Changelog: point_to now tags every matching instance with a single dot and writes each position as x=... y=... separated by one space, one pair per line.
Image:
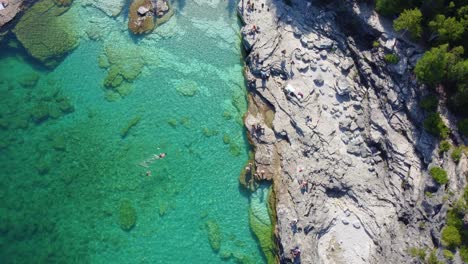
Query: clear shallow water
x=64 y=179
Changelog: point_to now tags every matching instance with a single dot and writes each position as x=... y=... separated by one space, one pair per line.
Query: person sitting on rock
x=293 y=225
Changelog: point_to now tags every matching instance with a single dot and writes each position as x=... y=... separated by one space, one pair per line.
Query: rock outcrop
x=345 y=146
x=145 y=15
x=46 y=32
x=8 y=10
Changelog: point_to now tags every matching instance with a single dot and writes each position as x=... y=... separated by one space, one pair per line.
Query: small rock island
x=145 y=15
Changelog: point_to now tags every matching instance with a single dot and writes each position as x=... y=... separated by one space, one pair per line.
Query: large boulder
x=46 y=33
x=138 y=23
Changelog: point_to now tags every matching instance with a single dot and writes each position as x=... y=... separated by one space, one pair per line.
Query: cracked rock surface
x=345 y=148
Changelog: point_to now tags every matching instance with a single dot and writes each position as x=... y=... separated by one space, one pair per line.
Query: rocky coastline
x=338 y=131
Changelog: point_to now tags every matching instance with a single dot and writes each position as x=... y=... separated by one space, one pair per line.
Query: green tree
x=463 y=127
x=447 y=29
x=429 y=103
x=409 y=19
x=433 y=67
x=444 y=146
x=388 y=7
x=464 y=253
x=439 y=175
x=451 y=237
x=436 y=126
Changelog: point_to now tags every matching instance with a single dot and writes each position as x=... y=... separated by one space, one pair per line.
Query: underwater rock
x=226 y=139
x=187 y=88
x=140 y=24
x=103 y=62
x=127 y=215
x=42 y=166
x=46 y=33
x=214 y=234
x=172 y=122
x=59 y=143
x=114 y=78
x=29 y=80
x=65 y=105
x=112 y=96
x=40 y=113
x=63 y=2
x=125 y=89
x=133 y=122
x=111 y=8
x=54 y=111
x=124 y=65
x=234 y=149
x=209 y=132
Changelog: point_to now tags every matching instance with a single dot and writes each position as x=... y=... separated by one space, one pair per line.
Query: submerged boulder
x=127 y=215
x=46 y=33
x=111 y=8
x=214 y=235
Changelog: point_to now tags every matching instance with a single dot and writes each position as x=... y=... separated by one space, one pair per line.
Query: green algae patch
x=234 y=149
x=133 y=122
x=46 y=32
x=209 y=132
x=260 y=223
x=214 y=234
x=127 y=215
x=140 y=24
x=226 y=139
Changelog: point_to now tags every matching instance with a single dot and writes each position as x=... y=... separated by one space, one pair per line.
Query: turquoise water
x=66 y=173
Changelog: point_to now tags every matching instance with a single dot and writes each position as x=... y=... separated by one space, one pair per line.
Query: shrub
x=456 y=154
x=434 y=125
x=375 y=44
x=429 y=103
x=439 y=175
x=418 y=252
x=451 y=237
x=433 y=258
x=429 y=194
x=465 y=194
x=391 y=58
x=463 y=127
x=464 y=253
x=454 y=219
x=444 y=146
x=448 y=254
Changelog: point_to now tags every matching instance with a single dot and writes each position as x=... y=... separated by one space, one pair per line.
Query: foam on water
x=64 y=179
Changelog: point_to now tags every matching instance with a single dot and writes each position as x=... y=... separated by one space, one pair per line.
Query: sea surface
x=81 y=180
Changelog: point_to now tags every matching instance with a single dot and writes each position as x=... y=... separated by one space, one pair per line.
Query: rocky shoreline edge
x=337 y=129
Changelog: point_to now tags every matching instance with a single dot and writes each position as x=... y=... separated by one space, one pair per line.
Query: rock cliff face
x=340 y=134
